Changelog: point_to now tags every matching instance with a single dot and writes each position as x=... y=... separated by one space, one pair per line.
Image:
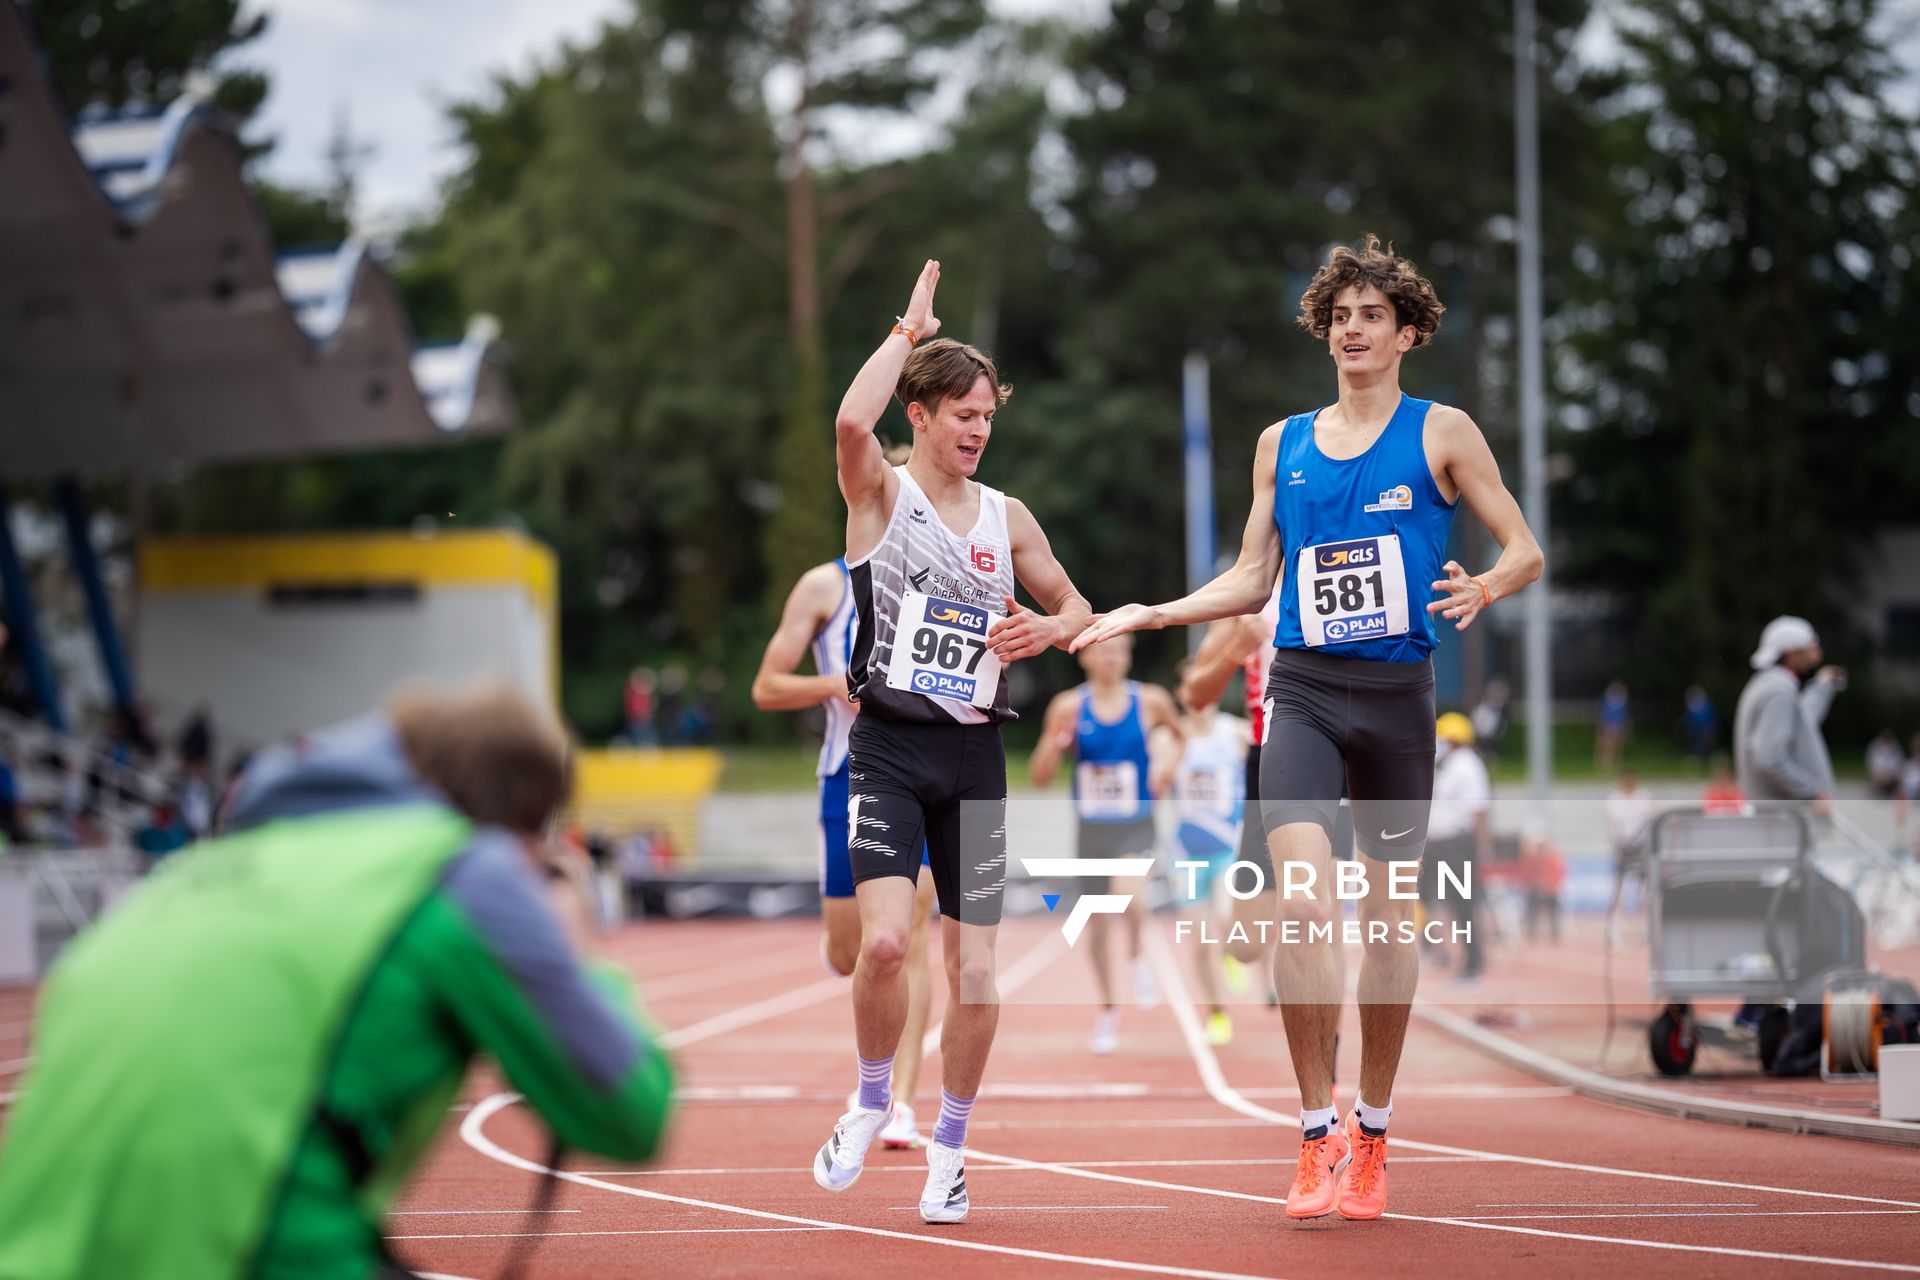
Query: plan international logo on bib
x=1368 y=626
x=939 y=684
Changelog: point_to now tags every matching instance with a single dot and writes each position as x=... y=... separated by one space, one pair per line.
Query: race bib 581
x=1352 y=590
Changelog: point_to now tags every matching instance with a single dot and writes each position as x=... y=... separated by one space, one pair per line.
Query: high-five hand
x=919 y=315
x=1022 y=633
x=1105 y=626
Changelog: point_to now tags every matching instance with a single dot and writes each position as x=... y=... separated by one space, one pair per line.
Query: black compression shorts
x=944 y=783
x=1351 y=723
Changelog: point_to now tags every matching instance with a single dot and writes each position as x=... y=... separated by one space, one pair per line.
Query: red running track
x=1167 y=1158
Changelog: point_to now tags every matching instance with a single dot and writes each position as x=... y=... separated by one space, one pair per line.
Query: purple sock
x=876 y=1079
x=951 y=1129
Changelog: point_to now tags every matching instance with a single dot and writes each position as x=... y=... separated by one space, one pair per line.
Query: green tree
x=119 y=54
x=1738 y=363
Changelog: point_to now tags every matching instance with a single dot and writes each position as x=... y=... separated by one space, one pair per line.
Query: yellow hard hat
x=1455 y=728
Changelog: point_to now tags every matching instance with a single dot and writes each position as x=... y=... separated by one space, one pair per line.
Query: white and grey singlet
x=927 y=597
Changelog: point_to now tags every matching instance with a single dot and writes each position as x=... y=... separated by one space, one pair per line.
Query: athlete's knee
x=972 y=979
x=842 y=953
x=884 y=948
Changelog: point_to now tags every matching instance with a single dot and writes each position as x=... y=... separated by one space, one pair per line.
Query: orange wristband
x=1486 y=592
x=907 y=333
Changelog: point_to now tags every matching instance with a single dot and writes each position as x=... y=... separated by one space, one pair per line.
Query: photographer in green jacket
x=236 y=1069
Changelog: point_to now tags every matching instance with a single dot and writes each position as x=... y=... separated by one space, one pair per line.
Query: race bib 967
x=940 y=650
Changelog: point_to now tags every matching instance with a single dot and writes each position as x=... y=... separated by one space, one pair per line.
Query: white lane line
x=1626 y=1204
x=1229 y=1097
x=1802 y=1259
x=1173 y=984
x=473 y=1133
x=429 y=1213
x=1579 y=1217
x=1495 y=1092
x=651 y=1231
x=919 y=1170
x=759 y=1011
x=687 y=982
x=1036 y=1208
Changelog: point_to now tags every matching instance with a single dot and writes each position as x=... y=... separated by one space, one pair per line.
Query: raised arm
x=1463 y=453
x=1025 y=633
x=777 y=686
x=864 y=473
x=1242 y=589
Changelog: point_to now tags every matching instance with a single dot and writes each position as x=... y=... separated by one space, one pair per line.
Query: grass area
x=1654 y=757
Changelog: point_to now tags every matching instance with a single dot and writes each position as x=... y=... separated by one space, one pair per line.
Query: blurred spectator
x=1778 y=752
x=391 y=911
x=194 y=794
x=1909 y=790
x=1543 y=869
x=1459 y=831
x=1491 y=717
x=1611 y=726
x=196 y=739
x=640 y=707
x=1629 y=812
x=1723 y=795
x=703 y=720
x=1701 y=722
x=672 y=710
x=163 y=834
x=1885 y=761
x=11 y=831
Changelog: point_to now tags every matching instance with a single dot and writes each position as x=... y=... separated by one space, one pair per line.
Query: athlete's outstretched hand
x=1022 y=633
x=1105 y=626
x=919 y=313
x=1464 y=598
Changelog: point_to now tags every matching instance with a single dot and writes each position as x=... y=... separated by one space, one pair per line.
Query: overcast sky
x=392 y=65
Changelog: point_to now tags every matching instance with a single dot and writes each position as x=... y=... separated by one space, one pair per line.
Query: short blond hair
x=500 y=759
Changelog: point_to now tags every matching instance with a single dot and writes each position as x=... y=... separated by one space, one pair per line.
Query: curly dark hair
x=1412 y=296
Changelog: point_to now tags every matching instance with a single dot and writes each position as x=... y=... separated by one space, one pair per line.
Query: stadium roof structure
x=147 y=321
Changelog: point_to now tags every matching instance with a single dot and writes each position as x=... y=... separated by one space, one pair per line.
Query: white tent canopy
x=146 y=320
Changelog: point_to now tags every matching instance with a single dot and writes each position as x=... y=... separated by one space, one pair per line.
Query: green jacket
x=235 y=1070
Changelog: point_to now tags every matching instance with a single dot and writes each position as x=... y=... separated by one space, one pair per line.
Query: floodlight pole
x=1533 y=408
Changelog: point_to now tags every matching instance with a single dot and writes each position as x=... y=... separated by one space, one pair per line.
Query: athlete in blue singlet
x=1351 y=511
x=1125 y=741
x=819 y=618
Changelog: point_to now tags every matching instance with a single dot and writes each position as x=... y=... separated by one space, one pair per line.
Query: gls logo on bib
x=954 y=614
x=1348 y=555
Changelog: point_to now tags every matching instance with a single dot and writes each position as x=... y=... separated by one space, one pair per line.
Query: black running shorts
x=944 y=783
x=1253 y=833
x=1349 y=722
